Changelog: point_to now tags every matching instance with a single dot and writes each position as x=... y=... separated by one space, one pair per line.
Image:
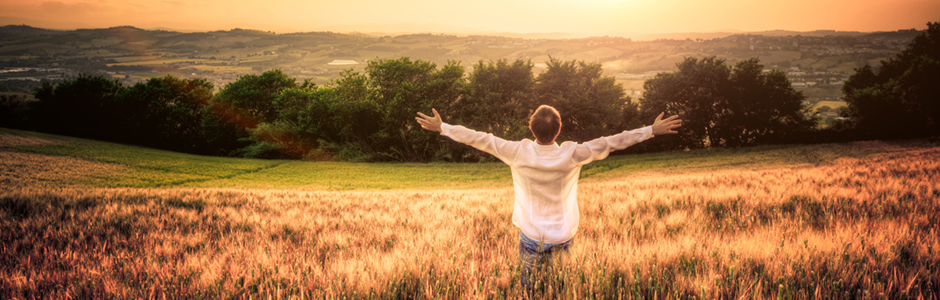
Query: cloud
x=56 y=7
x=53 y=6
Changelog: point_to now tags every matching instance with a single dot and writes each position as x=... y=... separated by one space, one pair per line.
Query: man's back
x=545 y=177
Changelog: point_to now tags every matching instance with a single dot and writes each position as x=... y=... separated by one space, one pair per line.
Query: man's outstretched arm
x=502 y=149
x=599 y=148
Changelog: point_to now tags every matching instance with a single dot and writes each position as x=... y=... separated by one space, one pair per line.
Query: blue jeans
x=533 y=255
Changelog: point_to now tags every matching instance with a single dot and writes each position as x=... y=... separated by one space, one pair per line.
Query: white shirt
x=545 y=177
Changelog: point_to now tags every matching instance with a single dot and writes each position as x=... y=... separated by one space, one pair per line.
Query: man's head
x=545 y=124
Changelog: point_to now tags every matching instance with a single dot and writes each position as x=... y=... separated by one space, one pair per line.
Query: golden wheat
x=857 y=227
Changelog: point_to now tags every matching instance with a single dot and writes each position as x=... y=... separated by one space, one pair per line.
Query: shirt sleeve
x=598 y=149
x=505 y=150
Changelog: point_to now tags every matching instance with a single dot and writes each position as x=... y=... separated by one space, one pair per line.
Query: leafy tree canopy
x=590 y=105
x=726 y=106
x=901 y=99
x=167 y=112
x=78 y=107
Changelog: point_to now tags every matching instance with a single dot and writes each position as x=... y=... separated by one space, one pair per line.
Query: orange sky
x=596 y=17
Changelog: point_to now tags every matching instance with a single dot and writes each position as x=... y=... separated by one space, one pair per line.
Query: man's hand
x=661 y=126
x=429 y=123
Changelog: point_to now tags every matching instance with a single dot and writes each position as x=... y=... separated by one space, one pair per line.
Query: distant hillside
x=132 y=54
x=14 y=32
x=778 y=33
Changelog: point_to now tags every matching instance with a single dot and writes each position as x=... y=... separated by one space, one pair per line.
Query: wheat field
x=860 y=226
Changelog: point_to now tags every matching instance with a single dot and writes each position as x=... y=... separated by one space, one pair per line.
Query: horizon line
x=638 y=36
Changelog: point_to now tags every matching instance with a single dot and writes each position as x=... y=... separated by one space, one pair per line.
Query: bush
x=13 y=111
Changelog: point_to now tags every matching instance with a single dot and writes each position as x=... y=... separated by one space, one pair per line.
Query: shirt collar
x=551 y=146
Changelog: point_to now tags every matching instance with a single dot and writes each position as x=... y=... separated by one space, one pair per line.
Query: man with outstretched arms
x=545 y=176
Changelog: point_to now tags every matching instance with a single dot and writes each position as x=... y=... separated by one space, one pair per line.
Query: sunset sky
x=596 y=17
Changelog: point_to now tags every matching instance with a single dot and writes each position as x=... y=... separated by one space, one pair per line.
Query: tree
x=353 y=120
x=764 y=108
x=499 y=100
x=241 y=106
x=289 y=135
x=13 y=111
x=403 y=87
x=724 y=106
x=695 y=93
x=81 y=107
x=253 y=96
x=165 y=112
x=901 y=99
x=338 y=120
x=590 y=105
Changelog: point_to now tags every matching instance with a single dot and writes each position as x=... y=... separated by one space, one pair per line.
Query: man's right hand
x=429 y=123
x=661 y=126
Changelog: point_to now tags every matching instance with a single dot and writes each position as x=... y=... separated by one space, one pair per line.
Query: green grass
x=145 y=167
x=753 y=158
x=141 y=167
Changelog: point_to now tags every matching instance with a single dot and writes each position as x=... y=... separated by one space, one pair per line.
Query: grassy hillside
x=132 y=166
x=86 y=219
x=125 y=166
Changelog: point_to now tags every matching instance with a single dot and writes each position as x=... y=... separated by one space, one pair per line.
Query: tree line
x=901 y=97
x=370 y=116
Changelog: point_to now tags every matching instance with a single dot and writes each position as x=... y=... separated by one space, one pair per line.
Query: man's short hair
x=545 y=123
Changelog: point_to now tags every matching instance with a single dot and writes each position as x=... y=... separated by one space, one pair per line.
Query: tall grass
x=800 y=224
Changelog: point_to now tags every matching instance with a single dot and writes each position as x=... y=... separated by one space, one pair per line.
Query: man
x=545 y=176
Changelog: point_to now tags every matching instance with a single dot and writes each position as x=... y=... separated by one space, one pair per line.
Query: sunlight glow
x=592 y=17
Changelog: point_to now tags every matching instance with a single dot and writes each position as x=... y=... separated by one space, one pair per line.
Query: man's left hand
x=429 y=123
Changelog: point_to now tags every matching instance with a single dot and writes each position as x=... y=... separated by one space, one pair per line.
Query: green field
x=138 y=167
x=146 y=168
x=830 y=104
